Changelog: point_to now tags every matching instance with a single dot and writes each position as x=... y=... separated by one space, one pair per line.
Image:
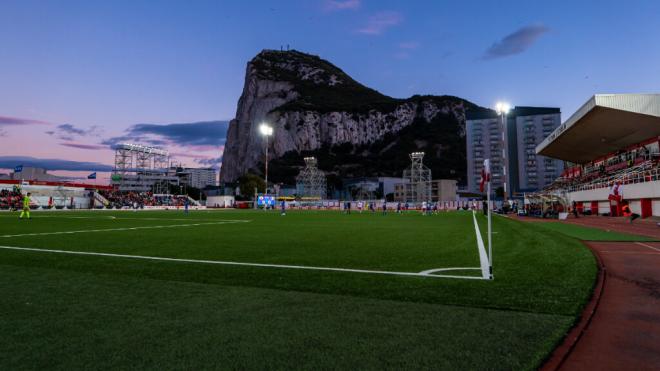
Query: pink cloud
x=7 y=120
x=380 y=22
x=189 y=155
x=335 y=5
x=205 y=148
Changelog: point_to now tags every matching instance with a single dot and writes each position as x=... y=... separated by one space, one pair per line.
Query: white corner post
x=490 y=234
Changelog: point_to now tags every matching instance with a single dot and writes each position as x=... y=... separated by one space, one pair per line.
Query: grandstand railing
x=648 y=171
x=100 y=199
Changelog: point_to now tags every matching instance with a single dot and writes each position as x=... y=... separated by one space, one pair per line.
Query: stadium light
x=266 y=130
x=502 y=108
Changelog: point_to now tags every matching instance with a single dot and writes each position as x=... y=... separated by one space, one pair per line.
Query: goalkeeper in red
x=26 y=206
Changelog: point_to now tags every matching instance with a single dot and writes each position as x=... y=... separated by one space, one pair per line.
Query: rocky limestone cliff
x=317 y=109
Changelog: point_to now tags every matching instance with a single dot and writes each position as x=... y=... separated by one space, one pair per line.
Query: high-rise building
x=198 y=177
x=509 y=141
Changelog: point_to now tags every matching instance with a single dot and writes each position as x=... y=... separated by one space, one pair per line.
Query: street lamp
x=503 y=109
x=266 y=131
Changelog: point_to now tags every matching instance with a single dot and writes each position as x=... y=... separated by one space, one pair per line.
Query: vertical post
x=504 y=158
x=266 y=190
x=490 y=235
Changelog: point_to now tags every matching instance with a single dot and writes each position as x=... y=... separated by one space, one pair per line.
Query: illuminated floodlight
x=265 y=130
x=502 y=108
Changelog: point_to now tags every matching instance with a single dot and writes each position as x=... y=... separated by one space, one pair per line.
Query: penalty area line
x=244 y=264
x=112 y=217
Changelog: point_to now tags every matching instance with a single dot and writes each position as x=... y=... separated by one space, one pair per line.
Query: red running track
x=620 y=329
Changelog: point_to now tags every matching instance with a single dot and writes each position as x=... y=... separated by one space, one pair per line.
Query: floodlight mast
x=311 y=181
x=503 y=109
x=418 y=188
x=266 y=131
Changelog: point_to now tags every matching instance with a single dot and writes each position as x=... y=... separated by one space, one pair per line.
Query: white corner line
x=483 y=257
x=430 y=271
x=649 y=246
x=220 y=262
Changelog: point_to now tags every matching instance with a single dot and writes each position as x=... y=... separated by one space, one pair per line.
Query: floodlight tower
x=266 y=131
x=311 y=181
x=503 y=109
x=418 y=188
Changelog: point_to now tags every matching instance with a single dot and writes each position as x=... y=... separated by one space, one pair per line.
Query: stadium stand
x=10 y=199
x=612 y=148
x=65 y=195
x=118 y=199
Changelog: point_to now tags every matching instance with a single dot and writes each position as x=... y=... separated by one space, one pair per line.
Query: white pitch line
x=64 y=217
x=110 y=217
x=118 y=229
x=649 y=246
x=430 y=271
x=483 y=257
x=220 y=262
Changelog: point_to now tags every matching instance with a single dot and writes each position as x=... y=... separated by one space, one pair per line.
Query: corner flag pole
x=490 y=235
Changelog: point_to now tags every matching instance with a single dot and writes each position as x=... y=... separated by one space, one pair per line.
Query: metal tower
x=141 y=168
x=311 y=182
x=418 y=188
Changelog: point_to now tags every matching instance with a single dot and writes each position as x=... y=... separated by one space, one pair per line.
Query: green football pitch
x=311 y=290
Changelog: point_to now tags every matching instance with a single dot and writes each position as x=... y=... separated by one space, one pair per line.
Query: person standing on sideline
x=283 y=208
x=348 y=207
x=26 y=206
x=575 y=210
x=384 y=208
x=398 y=208
x=627 y=212
x=424 y=208
x=186 y=205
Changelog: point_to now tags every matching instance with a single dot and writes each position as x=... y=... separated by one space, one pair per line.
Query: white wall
x=656 y=207
x=630 y=192
x=221 y=201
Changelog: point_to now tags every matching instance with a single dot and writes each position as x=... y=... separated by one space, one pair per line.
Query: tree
x=248 y=182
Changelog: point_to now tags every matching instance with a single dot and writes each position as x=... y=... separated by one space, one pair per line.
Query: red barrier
x=647 y=207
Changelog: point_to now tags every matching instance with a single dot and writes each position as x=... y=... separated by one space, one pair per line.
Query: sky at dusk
x=79 y=76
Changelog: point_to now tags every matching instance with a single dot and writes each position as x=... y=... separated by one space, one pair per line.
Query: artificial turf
x=592 y=234
x=70 y=311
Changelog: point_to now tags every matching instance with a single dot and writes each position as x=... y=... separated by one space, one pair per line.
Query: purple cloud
x=380 y=22
x=67 y=131
x=336 y=5
x=211 y=162
x=194 y=134
x=9 y=162
x=83 y=146
x=7 y=120
x=516 y=42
